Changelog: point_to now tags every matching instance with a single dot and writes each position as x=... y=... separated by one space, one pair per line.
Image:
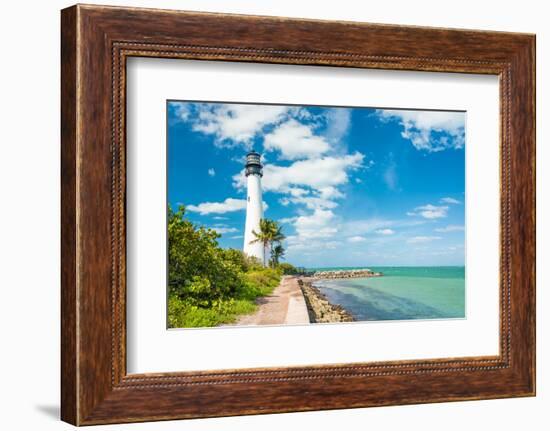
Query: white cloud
x=311 y=202
x=356 y=238
x=314 y=173
x=237 y=237
x=234 y=123
x=319 y=224
x=297 y=191
x=385 y=231
x=330 y=193
x=211 y=172
x=429 y=130
x=430 y=211
x=226 y=206
x=295 y=141
x=450 y=228
x=322 y=198
x=229 y=205
x=450 y=201
x=422 y=239
x=181 y=110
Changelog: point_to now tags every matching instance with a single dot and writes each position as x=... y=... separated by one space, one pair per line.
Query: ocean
x=402 y=293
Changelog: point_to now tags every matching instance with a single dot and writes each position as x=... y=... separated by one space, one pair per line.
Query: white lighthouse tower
x=254 y=206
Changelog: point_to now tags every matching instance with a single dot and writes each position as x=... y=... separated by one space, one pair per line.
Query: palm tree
x=264 y=235
x=270 y=233
x=277 y=253
x=277 y=231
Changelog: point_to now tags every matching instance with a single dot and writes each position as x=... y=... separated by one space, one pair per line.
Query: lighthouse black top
x=253 y=164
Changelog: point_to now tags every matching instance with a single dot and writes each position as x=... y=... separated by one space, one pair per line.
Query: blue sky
x=351 y=186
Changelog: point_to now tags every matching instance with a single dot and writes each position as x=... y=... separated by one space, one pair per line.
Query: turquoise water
x=401 y=293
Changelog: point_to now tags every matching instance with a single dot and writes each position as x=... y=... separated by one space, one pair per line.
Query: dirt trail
x=285 y=306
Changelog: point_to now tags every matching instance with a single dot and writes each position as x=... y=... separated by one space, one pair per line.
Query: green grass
x=256 y=284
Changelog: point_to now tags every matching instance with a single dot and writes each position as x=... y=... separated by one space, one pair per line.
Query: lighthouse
x=254 y=206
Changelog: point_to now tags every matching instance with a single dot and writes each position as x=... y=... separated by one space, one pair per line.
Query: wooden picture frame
x=95 y=43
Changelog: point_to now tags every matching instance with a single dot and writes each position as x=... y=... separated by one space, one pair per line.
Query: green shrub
x=198 y=269
x=241 y=260
x=287 y=268
x=183 y=315
x=209 y=285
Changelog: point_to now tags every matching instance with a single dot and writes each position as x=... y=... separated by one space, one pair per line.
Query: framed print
x=285 y=220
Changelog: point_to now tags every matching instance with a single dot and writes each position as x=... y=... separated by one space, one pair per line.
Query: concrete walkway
x=285 y=306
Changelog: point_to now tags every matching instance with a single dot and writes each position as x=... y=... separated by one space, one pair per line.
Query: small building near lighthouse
x=254 y=206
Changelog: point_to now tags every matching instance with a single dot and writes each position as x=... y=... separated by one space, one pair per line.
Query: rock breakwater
x=319 y=308
x=346 y=273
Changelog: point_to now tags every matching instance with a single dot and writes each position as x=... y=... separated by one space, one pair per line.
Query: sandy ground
x=285 y=306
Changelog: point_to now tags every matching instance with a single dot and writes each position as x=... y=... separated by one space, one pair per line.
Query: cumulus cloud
x=330 y=192
x=450 y=201
x=297 y=191
x=430 y=211
x=315 y=173
x=181 y=110
x=295 y=140
x=319 y=224
x=431 y=131
x=232 y=124
x=312 y=202
x=422 y=239
x=356 y=238
x=229 y=205
x=450 y=228
x=313 y=182
x=315 y=228
x=322 y=198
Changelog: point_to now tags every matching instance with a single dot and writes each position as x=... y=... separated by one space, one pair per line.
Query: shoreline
x=319 y=308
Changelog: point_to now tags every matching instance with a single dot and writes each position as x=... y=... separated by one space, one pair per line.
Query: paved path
x=285 y=306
